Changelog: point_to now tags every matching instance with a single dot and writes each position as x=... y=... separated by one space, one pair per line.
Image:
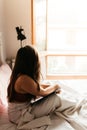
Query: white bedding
x=67 y=117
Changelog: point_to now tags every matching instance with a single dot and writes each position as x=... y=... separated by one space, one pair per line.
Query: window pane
x=40 y=23
x=66 y=65
x=67 y=39
x=67 y=25
x=67 y=12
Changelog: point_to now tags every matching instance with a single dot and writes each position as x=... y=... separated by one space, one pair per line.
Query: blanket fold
x=70 y=115
x=35 y=123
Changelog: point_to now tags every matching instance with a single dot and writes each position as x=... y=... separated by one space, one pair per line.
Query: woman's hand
x=58 y=89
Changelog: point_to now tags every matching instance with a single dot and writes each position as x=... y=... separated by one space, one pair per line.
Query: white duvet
x=72 y=115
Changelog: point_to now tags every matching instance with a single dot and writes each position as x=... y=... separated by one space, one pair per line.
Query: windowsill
x=64 y=53
x=65 y=76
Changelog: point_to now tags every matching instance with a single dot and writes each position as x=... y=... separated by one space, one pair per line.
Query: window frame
x=47 y=53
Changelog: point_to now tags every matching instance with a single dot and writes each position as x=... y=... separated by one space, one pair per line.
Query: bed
x=71 y=116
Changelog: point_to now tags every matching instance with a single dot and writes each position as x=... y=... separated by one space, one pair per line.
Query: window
x=61 y=31
x=39 y=23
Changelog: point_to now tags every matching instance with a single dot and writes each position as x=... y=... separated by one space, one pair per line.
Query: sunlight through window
x=67 y=24
x=61 y=28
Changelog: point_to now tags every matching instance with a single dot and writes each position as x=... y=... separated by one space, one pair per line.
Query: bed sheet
x=67 y=117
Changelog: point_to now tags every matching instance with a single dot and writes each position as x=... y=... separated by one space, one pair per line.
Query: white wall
x=16 y=13
x=2 y=45
x=1 y=15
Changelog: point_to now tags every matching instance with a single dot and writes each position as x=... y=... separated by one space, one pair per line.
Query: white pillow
x=5 y=72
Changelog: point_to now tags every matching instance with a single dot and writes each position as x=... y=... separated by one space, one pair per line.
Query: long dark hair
x=26 y=62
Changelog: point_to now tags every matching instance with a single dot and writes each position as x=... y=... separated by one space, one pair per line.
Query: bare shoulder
x=25 y=83
x=24 y=77
x=24 y=80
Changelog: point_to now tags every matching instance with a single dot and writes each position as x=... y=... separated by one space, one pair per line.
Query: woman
x=25 y=86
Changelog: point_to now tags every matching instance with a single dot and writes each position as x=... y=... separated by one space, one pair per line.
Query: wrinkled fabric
x=55 y=112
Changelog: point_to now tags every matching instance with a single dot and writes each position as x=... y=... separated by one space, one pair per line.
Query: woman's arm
x=25 y=84
x=46 y=90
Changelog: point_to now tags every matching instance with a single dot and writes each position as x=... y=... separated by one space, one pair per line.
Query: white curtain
x=2 y=53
